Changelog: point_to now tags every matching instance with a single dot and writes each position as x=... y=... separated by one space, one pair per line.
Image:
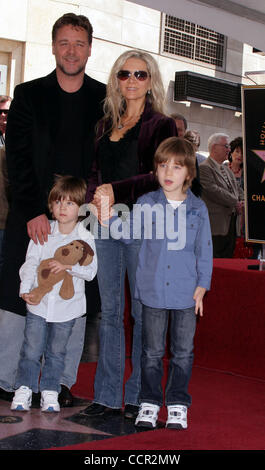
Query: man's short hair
x=5 y=99
x=78 y=21
x=215 y=139
x=179 y=117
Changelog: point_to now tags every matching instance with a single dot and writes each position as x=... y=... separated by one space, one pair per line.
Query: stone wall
x=25 y=44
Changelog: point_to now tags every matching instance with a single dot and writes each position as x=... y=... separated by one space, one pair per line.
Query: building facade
x=178 y=45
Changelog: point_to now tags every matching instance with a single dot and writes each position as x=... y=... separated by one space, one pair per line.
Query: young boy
x=174 y=271
x=50 y=321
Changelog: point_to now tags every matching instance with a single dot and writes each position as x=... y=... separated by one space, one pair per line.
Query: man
x=220 y=193
x=50 y=131
x=4 y=107
x=194 y=138
x=181 y=124
x=5 y=102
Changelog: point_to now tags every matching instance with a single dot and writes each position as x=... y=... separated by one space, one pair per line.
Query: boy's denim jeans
x=182 y=330
x=48 y=339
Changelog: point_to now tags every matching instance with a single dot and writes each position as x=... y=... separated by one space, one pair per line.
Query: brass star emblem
x=261 y=154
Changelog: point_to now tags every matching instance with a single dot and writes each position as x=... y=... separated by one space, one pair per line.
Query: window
x=191 y=41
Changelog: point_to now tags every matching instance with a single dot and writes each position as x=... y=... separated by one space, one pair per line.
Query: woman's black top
x=119 y=160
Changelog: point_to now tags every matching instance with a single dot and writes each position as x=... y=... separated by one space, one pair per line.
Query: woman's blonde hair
x=114 y=103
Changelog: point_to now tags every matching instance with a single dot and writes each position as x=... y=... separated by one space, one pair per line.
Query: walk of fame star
x=261 y=154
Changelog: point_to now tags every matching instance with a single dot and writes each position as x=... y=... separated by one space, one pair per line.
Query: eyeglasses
x=140 y=75
x=227 y=146
x=4 y=111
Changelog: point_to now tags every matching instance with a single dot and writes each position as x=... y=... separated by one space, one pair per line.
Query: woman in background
x=235 y=163
x=243 y=249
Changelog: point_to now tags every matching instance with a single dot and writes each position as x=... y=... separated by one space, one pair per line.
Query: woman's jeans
x=182 y=330
x=43 y=339
x=114 y=258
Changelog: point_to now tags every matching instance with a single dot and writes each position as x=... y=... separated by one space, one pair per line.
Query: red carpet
x=230 y=336
x=227 y=413
x=228 y=380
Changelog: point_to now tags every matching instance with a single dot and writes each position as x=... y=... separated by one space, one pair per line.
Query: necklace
x=236 y=171
x=131 y=120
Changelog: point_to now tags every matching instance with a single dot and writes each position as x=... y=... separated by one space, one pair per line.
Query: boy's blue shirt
x=167 y=278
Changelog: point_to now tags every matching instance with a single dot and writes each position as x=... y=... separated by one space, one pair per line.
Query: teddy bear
x=77 y=251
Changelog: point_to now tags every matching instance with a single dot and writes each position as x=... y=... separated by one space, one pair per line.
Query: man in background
x=5 y=102
x=181 y=123
x=220 y=194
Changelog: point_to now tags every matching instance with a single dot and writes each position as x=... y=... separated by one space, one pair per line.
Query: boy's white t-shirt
x=175 y=204
x=52 y=307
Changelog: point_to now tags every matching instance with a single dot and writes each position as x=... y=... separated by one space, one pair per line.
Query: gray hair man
x=220 y=194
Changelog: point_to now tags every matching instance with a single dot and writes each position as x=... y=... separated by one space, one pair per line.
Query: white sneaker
x=177 y=417
x=147 y=416
x=49 y=401
x=22 y=399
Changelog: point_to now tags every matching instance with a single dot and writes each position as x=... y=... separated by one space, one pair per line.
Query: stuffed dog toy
x=77 y=251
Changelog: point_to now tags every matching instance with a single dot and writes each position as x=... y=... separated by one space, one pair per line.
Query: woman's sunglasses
x=140 y=75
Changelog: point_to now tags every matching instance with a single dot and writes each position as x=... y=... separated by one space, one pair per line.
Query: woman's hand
x=103 y=212
x=103 y=202
x=104 y=191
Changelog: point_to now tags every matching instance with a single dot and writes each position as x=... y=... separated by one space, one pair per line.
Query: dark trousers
x=224 y=245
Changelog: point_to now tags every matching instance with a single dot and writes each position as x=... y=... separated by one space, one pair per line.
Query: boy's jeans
x=50 y=340
x=182 y=330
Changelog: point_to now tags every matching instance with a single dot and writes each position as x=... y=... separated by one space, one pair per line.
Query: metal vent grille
x=185 y=39
x=191 y=86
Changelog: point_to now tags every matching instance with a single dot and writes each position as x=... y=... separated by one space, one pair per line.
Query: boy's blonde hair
x=68 y=186
x=183 y=153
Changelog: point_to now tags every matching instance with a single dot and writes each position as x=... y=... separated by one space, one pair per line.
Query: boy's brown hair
x=183 y=153
x=68 y=186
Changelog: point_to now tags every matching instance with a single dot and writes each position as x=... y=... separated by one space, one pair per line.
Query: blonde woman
x=133 y=126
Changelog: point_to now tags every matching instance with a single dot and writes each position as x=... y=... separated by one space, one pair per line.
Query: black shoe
x=95 y=409
x=66 y=399
x=131 y=411
x=7 y=396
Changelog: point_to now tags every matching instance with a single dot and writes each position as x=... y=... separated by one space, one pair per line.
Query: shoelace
x=178 y=413
x=23 y=393
x=175 y=413
x=147 y=411
x=49 y=396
